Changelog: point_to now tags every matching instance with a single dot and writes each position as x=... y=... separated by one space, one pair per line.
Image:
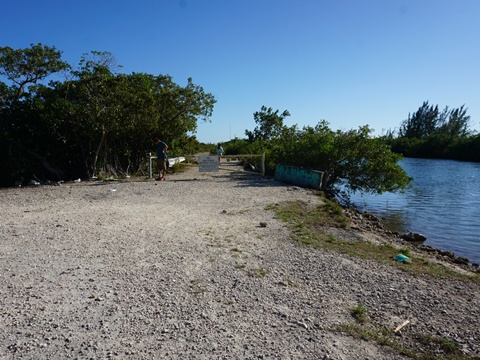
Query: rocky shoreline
x=368 y=222
x=184 y=269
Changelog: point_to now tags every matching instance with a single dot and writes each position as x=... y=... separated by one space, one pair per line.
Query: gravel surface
x=196 y=267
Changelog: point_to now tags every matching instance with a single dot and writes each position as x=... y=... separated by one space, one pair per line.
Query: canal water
x=443 y=205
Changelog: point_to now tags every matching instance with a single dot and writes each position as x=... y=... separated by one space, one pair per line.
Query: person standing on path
x=219 y=152
x=161 y=158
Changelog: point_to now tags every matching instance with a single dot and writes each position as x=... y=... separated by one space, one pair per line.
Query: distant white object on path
x=175 y=160
x=171 y=162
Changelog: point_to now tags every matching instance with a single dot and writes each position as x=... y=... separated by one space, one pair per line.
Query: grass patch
x=380 y=335
x=177 y=168
x=422 y=346
x=328 y=213
x=405 y=252
x=258 y=272
x=235 y=249
x=317 y=226
x=312 y=226
x=271 y=207
x=359 y=313
x=439 y=343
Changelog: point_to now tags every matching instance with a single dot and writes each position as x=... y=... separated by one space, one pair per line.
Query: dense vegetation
x=431 y=133
x=92 y=120
x=95 y=121
x=352 y=160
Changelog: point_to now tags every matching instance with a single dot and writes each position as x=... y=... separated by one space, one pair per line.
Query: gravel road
x=182 y=269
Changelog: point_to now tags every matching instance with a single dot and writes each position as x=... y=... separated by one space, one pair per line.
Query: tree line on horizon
x=96 y=121
x=436 y=134
x=354 y=160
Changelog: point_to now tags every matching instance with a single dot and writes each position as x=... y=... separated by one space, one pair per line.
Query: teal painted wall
x=299 y=176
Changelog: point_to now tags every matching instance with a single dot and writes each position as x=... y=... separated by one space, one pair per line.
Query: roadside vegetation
x=316 y=226
x=351 y=160
x=420 y=347
x=91 y=119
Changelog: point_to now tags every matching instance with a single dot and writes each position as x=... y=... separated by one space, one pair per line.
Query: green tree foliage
x=352 y=160
x=465 y=148
x=428 y=120
x=408 y=147
x=28 y=66
x=236 y=146
x=269 y=124
x=422 y=123
x=430 y=133
x=454 y=123
x=98 y=121
x=23 y=70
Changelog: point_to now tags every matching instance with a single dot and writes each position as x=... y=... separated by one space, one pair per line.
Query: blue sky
x=350 y=62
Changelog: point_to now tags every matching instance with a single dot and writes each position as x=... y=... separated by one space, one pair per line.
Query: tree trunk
x=97 y=152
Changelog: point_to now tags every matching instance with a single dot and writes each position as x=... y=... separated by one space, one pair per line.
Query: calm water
x=443 y=205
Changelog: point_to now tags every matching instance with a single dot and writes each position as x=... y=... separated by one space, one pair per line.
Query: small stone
x=301 y=324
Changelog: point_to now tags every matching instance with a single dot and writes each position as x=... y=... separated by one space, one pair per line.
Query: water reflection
x=444 y=205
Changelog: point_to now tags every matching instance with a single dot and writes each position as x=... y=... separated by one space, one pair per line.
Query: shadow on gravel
x=246 y=179
x=188 y=180
x=112 y=183
x=243 y=179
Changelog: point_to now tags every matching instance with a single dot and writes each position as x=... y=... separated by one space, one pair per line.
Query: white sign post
x=208 y=163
